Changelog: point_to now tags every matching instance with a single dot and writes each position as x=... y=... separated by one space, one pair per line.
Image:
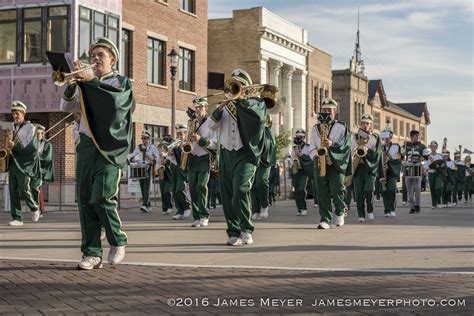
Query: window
x=413 y=127
x=356 y=114
x=93 y=24
x=188 y=5
x=388 y=121
x=377 y=120
x=125 y=60
x=408 y=130
x=422 y=134
x=186 y=69
x=316 y=104
x=57 y=29
x=321 y=96
x=156 y=61
x=8 y=33
x=395 y=126
x=32 y=35
x=157 y=132
x=402 y=129
x=84 y=33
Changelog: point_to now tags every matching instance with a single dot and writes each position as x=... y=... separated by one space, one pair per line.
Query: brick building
x=272 y=49
x=144 y=30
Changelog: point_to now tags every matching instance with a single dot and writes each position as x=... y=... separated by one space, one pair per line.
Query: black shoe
x=417 y=209
x=412 y=211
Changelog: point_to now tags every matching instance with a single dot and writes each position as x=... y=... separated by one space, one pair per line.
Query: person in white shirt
x=301 y=169
x=146 y=153
x=24 y=165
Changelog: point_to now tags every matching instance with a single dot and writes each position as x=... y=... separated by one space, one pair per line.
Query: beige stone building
x=319 y=83
x=272 y=49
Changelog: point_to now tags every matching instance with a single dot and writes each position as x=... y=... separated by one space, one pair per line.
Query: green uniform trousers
x=165 y=189
x=404 y=190
x=213 y=192
x=315 y=191
x=330 y=187
x=260 y=189
x=467 y=188
x=364 y=185
x=97 y=185
x=21 y=187
x=459 y=188
x=436 y=187
x=389 y=196
x=235 y=178
x=446 y=192
x=178 y=188
x=35 y=185
x=348 y=196
x=301 y=181
x=199 y=171
x=145 y=188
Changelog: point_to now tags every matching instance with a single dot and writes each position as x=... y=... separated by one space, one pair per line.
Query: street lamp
x=173 y=69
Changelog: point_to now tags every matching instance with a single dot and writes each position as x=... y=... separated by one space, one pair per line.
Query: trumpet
x=60 y=78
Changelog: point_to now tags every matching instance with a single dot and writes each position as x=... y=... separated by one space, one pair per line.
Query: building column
x=263 y=69
x=287 y=92
x=299 y=99
x=274 y=67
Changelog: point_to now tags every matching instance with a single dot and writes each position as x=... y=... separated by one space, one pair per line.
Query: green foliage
x=283 y=140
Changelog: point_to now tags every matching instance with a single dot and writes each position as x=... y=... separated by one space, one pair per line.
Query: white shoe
x=15 y=223
x=323 y=225
x=204 y=222
x=340 y=220
x=149 y=209
x=178 y=216
x=144 y=209
x=263 y=213
x=404 y=203
x=116 y=254
x=433 y=207
x=186 y=213
x=370 y=216
x=246 y=238
x=454 y=204
x=303 y=212
x=234 y=241
x=387 y=215
x=89 y=263
x=440 y=206
x=316 y=205
x=255 y=216
x=35 y=216
x=361 y=219
x=393 y=214
x=102 y=235
x=298 y=214
x=196 y=223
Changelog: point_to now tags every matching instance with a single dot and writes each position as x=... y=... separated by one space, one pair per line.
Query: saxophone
x=322 y=151
x=294 y=164
x=5 y=154
x=359 y=153
x=383 y=181
x=188 y=145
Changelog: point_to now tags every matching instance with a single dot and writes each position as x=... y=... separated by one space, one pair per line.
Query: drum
x=138 y=170
x=435 y=164
x=411 y=170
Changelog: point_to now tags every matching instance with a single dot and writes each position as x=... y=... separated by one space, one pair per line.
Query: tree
x=283 y=140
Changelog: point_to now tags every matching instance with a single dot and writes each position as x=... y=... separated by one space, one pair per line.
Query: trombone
x=60 y=78
x=61 y=130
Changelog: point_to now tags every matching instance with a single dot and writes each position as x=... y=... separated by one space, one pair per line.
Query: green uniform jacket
x=251 y=122
x=27 y=159
x=108 y=112
x=373 y=160
x=46 y=162
x=307 y=165
x=340 y=154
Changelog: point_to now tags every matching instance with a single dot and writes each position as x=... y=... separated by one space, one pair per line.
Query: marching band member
x=448 y=181
x=261 y=181
x=24 y=165
x=178 y=189
x=368 y=169
x=46 y=162
x=391 y=167
x=301 y=169
x=274 y=182
x=166 y=177
x=459 y=177
x=468 y=181
x=146 y=153
x=241 y=122
x=105 y=101
x=336 y=162
x=199 y=164
x=436 y=173
x=414 y=150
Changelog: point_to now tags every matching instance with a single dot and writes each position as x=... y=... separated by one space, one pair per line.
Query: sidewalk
x=420 y=256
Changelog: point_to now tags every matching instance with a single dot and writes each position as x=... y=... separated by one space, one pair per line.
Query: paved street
x=427 y=258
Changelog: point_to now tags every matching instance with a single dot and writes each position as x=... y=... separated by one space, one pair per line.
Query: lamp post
x=173 y=69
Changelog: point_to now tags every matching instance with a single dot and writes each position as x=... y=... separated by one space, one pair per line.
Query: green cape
x=108 y=114
x=372 y=161
x=340 y=154
x=46 y=162
x=27 y=159
x=268 y=157
x=251 y=120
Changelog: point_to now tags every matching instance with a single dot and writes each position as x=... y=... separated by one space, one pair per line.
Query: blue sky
x=421 y=49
